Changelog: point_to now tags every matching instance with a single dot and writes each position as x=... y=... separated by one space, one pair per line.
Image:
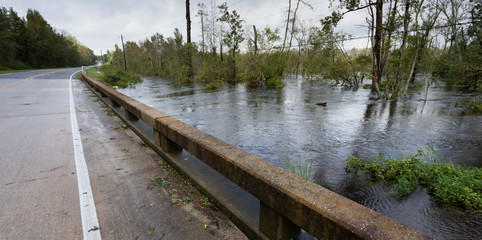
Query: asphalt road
x=43 y=185
x=37 y=169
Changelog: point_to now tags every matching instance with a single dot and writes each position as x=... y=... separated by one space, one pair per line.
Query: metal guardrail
x=287 y=202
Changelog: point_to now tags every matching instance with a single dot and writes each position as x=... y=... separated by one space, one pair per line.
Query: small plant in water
x=298 y=166
x=447 y=182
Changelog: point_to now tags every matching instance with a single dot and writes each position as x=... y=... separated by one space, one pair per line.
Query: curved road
x=37 y=169
x=45 y=189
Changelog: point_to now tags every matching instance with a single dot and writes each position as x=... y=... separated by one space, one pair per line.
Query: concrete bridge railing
x=287 y=202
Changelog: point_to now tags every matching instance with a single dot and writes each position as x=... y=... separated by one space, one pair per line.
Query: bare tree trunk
x=189 y=48
x=406 y=20
x=124 y=52
x=234 y=65
x=287 y=27
x=255 y=41
x=221 y=49
x=377 y=69
x=293 y=23
x=412 y=69
x=299 y=60
x=286 y=35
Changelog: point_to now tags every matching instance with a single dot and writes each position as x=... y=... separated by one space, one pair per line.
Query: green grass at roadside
x=94 y=73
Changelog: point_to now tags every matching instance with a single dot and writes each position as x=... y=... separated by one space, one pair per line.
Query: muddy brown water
x=288 y=121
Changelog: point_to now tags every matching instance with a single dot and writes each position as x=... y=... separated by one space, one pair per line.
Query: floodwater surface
x=271 y=123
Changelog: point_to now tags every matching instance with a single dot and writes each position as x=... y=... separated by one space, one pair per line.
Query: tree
x=7 y=53
x=382 y=28
x=189 y=47
x=202 y=13
x=234 y=36
x=32 y=42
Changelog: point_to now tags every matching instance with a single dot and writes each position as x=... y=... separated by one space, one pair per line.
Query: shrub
x=473 y=104
x=275 y=82
x=447 y=182
x=120 y=78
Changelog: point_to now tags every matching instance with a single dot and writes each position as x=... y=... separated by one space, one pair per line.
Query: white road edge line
x=90 y=223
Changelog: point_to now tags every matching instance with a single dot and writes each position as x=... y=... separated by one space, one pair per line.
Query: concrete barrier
x=287 y=202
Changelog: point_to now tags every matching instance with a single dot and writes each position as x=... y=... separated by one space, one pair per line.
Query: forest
x=31 y=42
x=437 y=39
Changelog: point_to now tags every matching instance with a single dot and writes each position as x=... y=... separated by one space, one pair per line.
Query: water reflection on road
x=287 y=121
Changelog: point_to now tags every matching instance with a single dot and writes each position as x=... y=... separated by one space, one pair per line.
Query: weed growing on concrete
x=142 y=145
x=206 y=201
x=149 y=231
x=125 y=150
x=447 y=182
x=300 y=167
x=124 y=127
x=109 y=112
x=159 y=182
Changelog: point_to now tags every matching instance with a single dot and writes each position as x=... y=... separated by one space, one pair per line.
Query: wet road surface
x=39 y=194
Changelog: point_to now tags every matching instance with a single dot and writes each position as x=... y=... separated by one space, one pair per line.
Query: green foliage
x=471 y=103
x=213 y=70
x=447 y=182
x=263 y=70
x=298 y=166
x=94 y=73
x=181 y=75
x=275 y=82
x=120 y=78
x=212 y=85
x=32 y=43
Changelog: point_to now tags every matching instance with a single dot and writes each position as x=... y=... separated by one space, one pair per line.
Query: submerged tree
x=188 y=46
x=234 y=36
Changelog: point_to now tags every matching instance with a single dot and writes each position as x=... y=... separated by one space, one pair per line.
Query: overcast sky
x=98 y=24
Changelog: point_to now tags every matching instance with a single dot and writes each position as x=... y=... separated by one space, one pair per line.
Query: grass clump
x=94 y=73
x=470 y=103
x=120 y=78
x=275 y=82
x=447 y=182
x=298 y=166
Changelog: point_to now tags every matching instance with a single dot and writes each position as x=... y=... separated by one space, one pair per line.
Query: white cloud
x=98 y=24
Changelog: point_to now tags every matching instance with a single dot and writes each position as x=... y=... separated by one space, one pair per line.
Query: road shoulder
x=137 y=195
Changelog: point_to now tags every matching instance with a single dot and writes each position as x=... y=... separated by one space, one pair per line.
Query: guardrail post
x=113 y=103
x=165 y=143
x=130 y=116
x=274 y=225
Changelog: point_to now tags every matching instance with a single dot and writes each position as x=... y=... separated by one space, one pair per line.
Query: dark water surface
x=287 y=121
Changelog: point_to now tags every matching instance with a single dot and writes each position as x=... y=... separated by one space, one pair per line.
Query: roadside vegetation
x=115 y=78
x=94 y=73
x=298 y=166
x=120 y=78
x=446 y=182
x=433 y=39
x=31 y=42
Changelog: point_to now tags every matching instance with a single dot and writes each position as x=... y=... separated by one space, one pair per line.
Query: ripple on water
x=267 y=122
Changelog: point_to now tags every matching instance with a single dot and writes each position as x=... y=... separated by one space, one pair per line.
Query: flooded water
x=287 y=121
